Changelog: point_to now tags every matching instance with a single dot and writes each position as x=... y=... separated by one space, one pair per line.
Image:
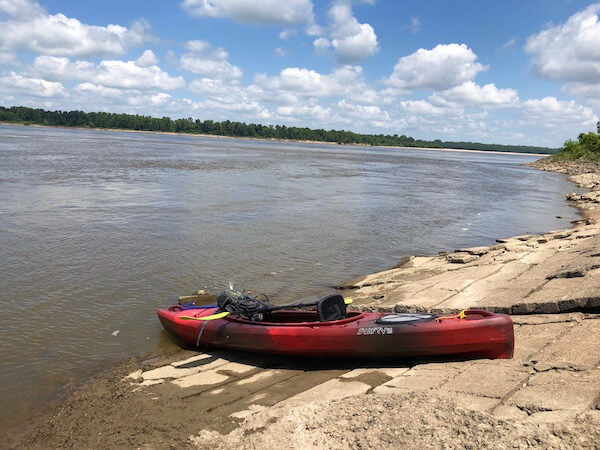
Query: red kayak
x=471 y=334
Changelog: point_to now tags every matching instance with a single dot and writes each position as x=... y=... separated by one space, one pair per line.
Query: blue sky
x=513 y=72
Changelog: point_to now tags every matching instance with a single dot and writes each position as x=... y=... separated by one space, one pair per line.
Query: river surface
x=99 y=229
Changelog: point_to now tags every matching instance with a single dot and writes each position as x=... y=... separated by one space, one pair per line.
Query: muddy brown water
x=99 y=229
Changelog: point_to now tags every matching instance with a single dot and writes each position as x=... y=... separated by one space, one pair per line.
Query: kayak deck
x=479 y=334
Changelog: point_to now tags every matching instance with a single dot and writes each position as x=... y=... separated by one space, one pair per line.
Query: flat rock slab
x=558 y=390
x=330 y=390
x=414 y=379
x=185 y=368
x=499 y=380
x=551 y=273
x=530 y=340
x=576 y=349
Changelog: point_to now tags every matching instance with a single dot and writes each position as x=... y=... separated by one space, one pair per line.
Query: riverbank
x=547 y=396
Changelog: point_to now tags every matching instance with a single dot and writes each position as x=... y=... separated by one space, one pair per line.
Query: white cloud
x=549 y=121
x=588 y=91
x=108 y=73
x=314 y=30
x=53 y=67
x=442 y=67
x=296 y=96
x=420 y=117
x=346 y=81
x=8 y=58
x=550 y=112
x=351 y=40
x=102 y=91
x=126 y=74
x=362 y=112
x=571 y=51
x=594 y=103
x=415 y=25
x=160 y=99
x=424 y=108
x=21 y=9
x=321 y=44
x=214 y=68
x=306 y=112
x=147 y=59
x=214 y=88
x=252 y=11
x=217 y=89
x=120 y=99
x=171 y=57
x=198 y=46
x=226 y=95
x=285 y=34
x=202 y=59
x=355 y=48
x=31 y=28
x=511 y=42
x=31 y=86
x=478 y=115
x=473 y=94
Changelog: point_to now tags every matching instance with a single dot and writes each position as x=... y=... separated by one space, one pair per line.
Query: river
x=99 y=229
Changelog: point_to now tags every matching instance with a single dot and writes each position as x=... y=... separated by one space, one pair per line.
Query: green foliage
x=23 y=115
x=586 y=147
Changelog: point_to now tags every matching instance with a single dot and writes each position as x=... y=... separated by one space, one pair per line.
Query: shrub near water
x=587 y=147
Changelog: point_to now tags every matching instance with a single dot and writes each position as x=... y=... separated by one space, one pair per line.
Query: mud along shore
x=547 y=396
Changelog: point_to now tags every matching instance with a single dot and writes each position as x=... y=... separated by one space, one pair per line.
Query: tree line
x=30 y=116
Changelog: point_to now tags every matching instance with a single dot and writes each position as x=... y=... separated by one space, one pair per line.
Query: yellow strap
x=211 y=317
x=460 y=315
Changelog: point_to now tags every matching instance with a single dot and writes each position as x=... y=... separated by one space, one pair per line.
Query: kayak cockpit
x=297 y=318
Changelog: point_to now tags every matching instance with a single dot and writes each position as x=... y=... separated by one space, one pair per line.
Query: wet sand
x=547 y=396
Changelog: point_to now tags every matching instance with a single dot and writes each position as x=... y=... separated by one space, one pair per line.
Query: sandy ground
x=390 y=422
x=547 y=396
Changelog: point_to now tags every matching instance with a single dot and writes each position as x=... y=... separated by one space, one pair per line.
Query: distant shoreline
x=215 y=136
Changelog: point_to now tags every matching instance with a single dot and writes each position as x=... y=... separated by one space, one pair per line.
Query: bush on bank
x=587 y=147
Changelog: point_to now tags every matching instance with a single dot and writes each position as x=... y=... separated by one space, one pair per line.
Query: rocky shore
x=547 y=396
x=555 y=272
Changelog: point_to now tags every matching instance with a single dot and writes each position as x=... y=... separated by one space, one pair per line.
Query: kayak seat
x=331 y=308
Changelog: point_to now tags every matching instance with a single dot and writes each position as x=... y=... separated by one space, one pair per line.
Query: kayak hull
x=480 y=334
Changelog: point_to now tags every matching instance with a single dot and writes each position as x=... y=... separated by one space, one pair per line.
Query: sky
x=512 y=72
